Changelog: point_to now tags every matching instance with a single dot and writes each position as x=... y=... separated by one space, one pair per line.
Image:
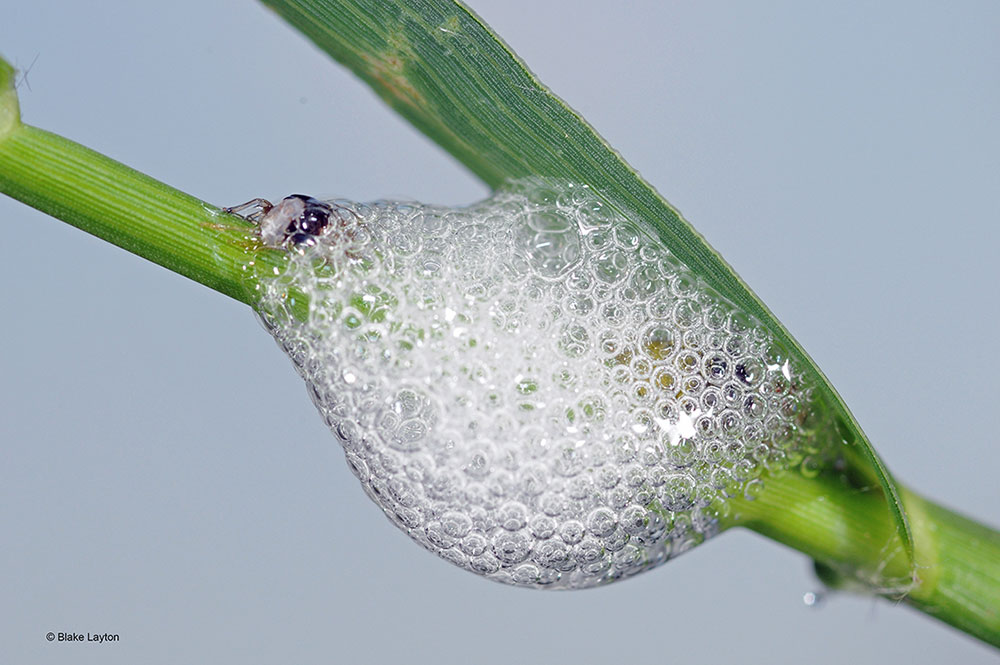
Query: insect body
x=297 y=219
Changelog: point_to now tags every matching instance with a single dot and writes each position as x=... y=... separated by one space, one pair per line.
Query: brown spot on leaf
x=389 y=70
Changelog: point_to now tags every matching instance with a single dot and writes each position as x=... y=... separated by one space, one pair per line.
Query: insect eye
x=313 y=220
x=310 y=222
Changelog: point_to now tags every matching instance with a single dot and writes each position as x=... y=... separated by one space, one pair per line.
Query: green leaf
x=441 y=67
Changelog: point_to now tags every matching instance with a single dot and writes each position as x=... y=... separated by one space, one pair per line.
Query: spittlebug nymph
x=297 y=219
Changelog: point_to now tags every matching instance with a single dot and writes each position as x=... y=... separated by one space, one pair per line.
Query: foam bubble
x=533 y=387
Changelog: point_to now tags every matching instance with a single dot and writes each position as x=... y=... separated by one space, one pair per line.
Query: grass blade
x=443 y=69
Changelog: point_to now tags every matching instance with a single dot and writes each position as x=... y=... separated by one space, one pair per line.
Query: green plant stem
x=845 y=529
x=118 y=204
x=967 y=589
x=127 y=208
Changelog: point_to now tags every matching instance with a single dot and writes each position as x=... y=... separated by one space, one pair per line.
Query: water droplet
x=753 y=489
x=813 y=599
x=601 y=522
x=511 y=548
x=811 y=467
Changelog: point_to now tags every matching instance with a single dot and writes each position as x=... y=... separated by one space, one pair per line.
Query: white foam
x=533 y=387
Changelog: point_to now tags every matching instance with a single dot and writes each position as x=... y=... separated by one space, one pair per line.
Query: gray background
x=163 y=475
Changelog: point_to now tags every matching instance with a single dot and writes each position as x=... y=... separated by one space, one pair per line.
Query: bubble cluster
x=533 y=387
